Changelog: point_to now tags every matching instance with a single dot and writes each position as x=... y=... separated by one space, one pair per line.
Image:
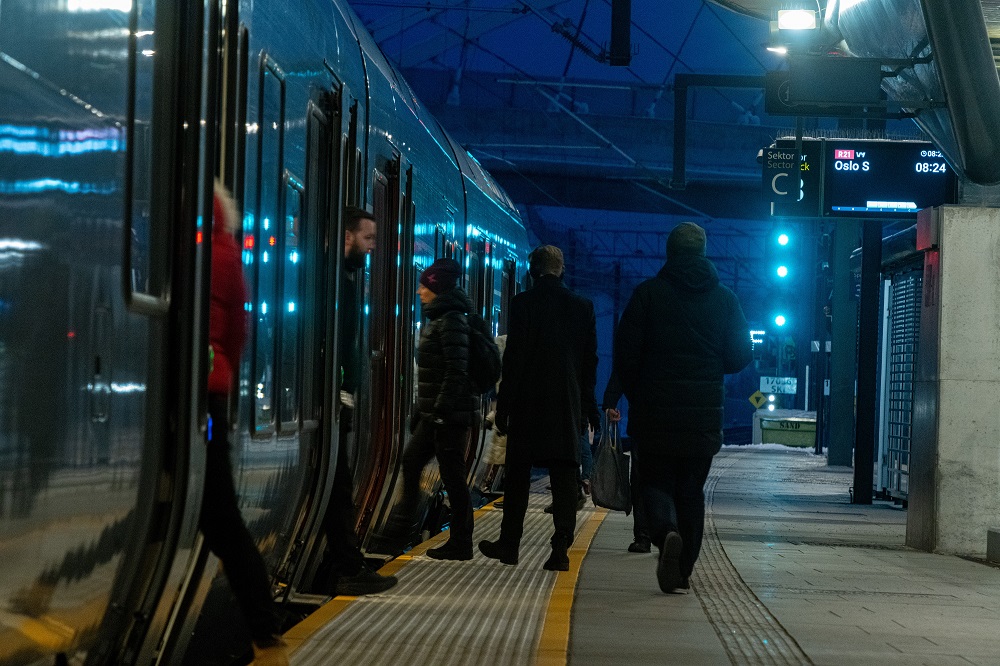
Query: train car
x=117 y=115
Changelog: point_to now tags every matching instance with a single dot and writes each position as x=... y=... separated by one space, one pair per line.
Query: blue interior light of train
x=294 y=256
x=98 y=5
x=780 y=320
x=263 y=308
x=267 y=223
x=127 y=387
x=782 y=239
x=366 y=310
x=291 y=306
x=49 y=184
x=263 y=256
x=248 y=306
x=782 y=271
x=19 y=245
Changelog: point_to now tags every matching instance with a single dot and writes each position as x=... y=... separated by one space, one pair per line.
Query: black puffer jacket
x=444 y=393
x=681 y=332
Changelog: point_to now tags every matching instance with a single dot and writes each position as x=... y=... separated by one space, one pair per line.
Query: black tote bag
x=609 y=484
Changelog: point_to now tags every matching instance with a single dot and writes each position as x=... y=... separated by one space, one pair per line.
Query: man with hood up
x=680 y=333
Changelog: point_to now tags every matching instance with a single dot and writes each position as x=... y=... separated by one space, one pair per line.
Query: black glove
x=594 y=419
x=500 y=424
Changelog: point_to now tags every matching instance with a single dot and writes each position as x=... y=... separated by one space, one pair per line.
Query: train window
x=352 y=171
x=138 y=257
x=291 y=303
x=267 y=306
x=240 y=112
x=438 y=241
x=508 y=287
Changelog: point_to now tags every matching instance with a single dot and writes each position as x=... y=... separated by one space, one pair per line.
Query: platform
x=790 y=573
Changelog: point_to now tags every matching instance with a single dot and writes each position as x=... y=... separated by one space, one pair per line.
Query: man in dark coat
x=681 y=332
x=546 y=399
x=348 y=573
x=447 y=404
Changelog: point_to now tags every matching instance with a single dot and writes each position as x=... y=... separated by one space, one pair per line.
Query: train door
x=481 y=278
x=167 y=194
x=379 y=417
x=317 y=378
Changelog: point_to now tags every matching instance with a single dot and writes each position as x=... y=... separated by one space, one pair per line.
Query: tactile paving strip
x=748 y=631
x=451 y=613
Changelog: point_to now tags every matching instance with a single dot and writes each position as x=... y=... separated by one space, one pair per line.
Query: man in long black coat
x=545 y=400
x=681 y=332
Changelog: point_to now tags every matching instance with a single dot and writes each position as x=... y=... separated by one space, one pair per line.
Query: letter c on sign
x=774 y=184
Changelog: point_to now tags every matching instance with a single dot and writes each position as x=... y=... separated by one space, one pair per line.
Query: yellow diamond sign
x=757 y=399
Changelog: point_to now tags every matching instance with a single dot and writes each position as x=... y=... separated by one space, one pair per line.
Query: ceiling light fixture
x=797 y=19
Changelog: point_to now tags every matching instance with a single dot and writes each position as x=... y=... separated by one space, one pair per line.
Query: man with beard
x=348 y=574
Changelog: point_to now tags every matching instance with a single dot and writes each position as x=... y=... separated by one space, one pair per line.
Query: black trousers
x=343 y=552
x=640 y=524
x=674 y=492
x=517 y=483
x=226 y=534
x=447 y=443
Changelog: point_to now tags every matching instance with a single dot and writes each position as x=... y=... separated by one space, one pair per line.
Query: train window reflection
x=291 y=280
x=267 y=319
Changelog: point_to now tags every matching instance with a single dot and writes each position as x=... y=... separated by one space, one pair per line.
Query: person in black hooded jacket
x=680 y=333
x=447 y=404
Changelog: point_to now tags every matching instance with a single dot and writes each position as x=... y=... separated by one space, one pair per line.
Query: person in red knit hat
x=221 y=522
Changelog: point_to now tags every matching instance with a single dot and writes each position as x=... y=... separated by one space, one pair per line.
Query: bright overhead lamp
x=780 y=50
x=797 y=19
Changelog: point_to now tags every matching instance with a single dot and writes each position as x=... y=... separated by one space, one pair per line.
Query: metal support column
x=844 y=340
x=868 y=366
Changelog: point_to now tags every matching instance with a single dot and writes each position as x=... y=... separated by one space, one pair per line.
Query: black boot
x=498 y=550
x=451 y=550
x=559 y=559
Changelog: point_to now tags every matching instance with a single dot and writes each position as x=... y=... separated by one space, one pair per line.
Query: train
x=116 y=118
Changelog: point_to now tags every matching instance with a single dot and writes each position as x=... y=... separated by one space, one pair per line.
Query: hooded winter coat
x=444 y=392
x=549 y=372
x=227 y=322
x=681 y=332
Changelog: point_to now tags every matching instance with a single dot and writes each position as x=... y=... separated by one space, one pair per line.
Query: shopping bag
x=609 y=484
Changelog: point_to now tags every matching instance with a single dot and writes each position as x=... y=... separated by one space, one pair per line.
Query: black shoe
x=451 y=551
x=498 y=504
x=683 y=587
x=498 y=551
x=639 y=546
x=559 y=559
x=547 y=509
x=668 y=569
x=365 y=581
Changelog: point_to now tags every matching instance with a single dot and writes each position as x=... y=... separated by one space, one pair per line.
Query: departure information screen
x=884 y=178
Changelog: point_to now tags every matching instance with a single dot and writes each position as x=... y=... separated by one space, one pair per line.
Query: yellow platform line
x=553 y=646
x=303 y=631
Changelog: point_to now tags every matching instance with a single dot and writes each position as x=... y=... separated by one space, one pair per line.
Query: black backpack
x=484 y=355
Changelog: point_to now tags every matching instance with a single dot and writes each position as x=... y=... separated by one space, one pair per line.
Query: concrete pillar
x=954 y=481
